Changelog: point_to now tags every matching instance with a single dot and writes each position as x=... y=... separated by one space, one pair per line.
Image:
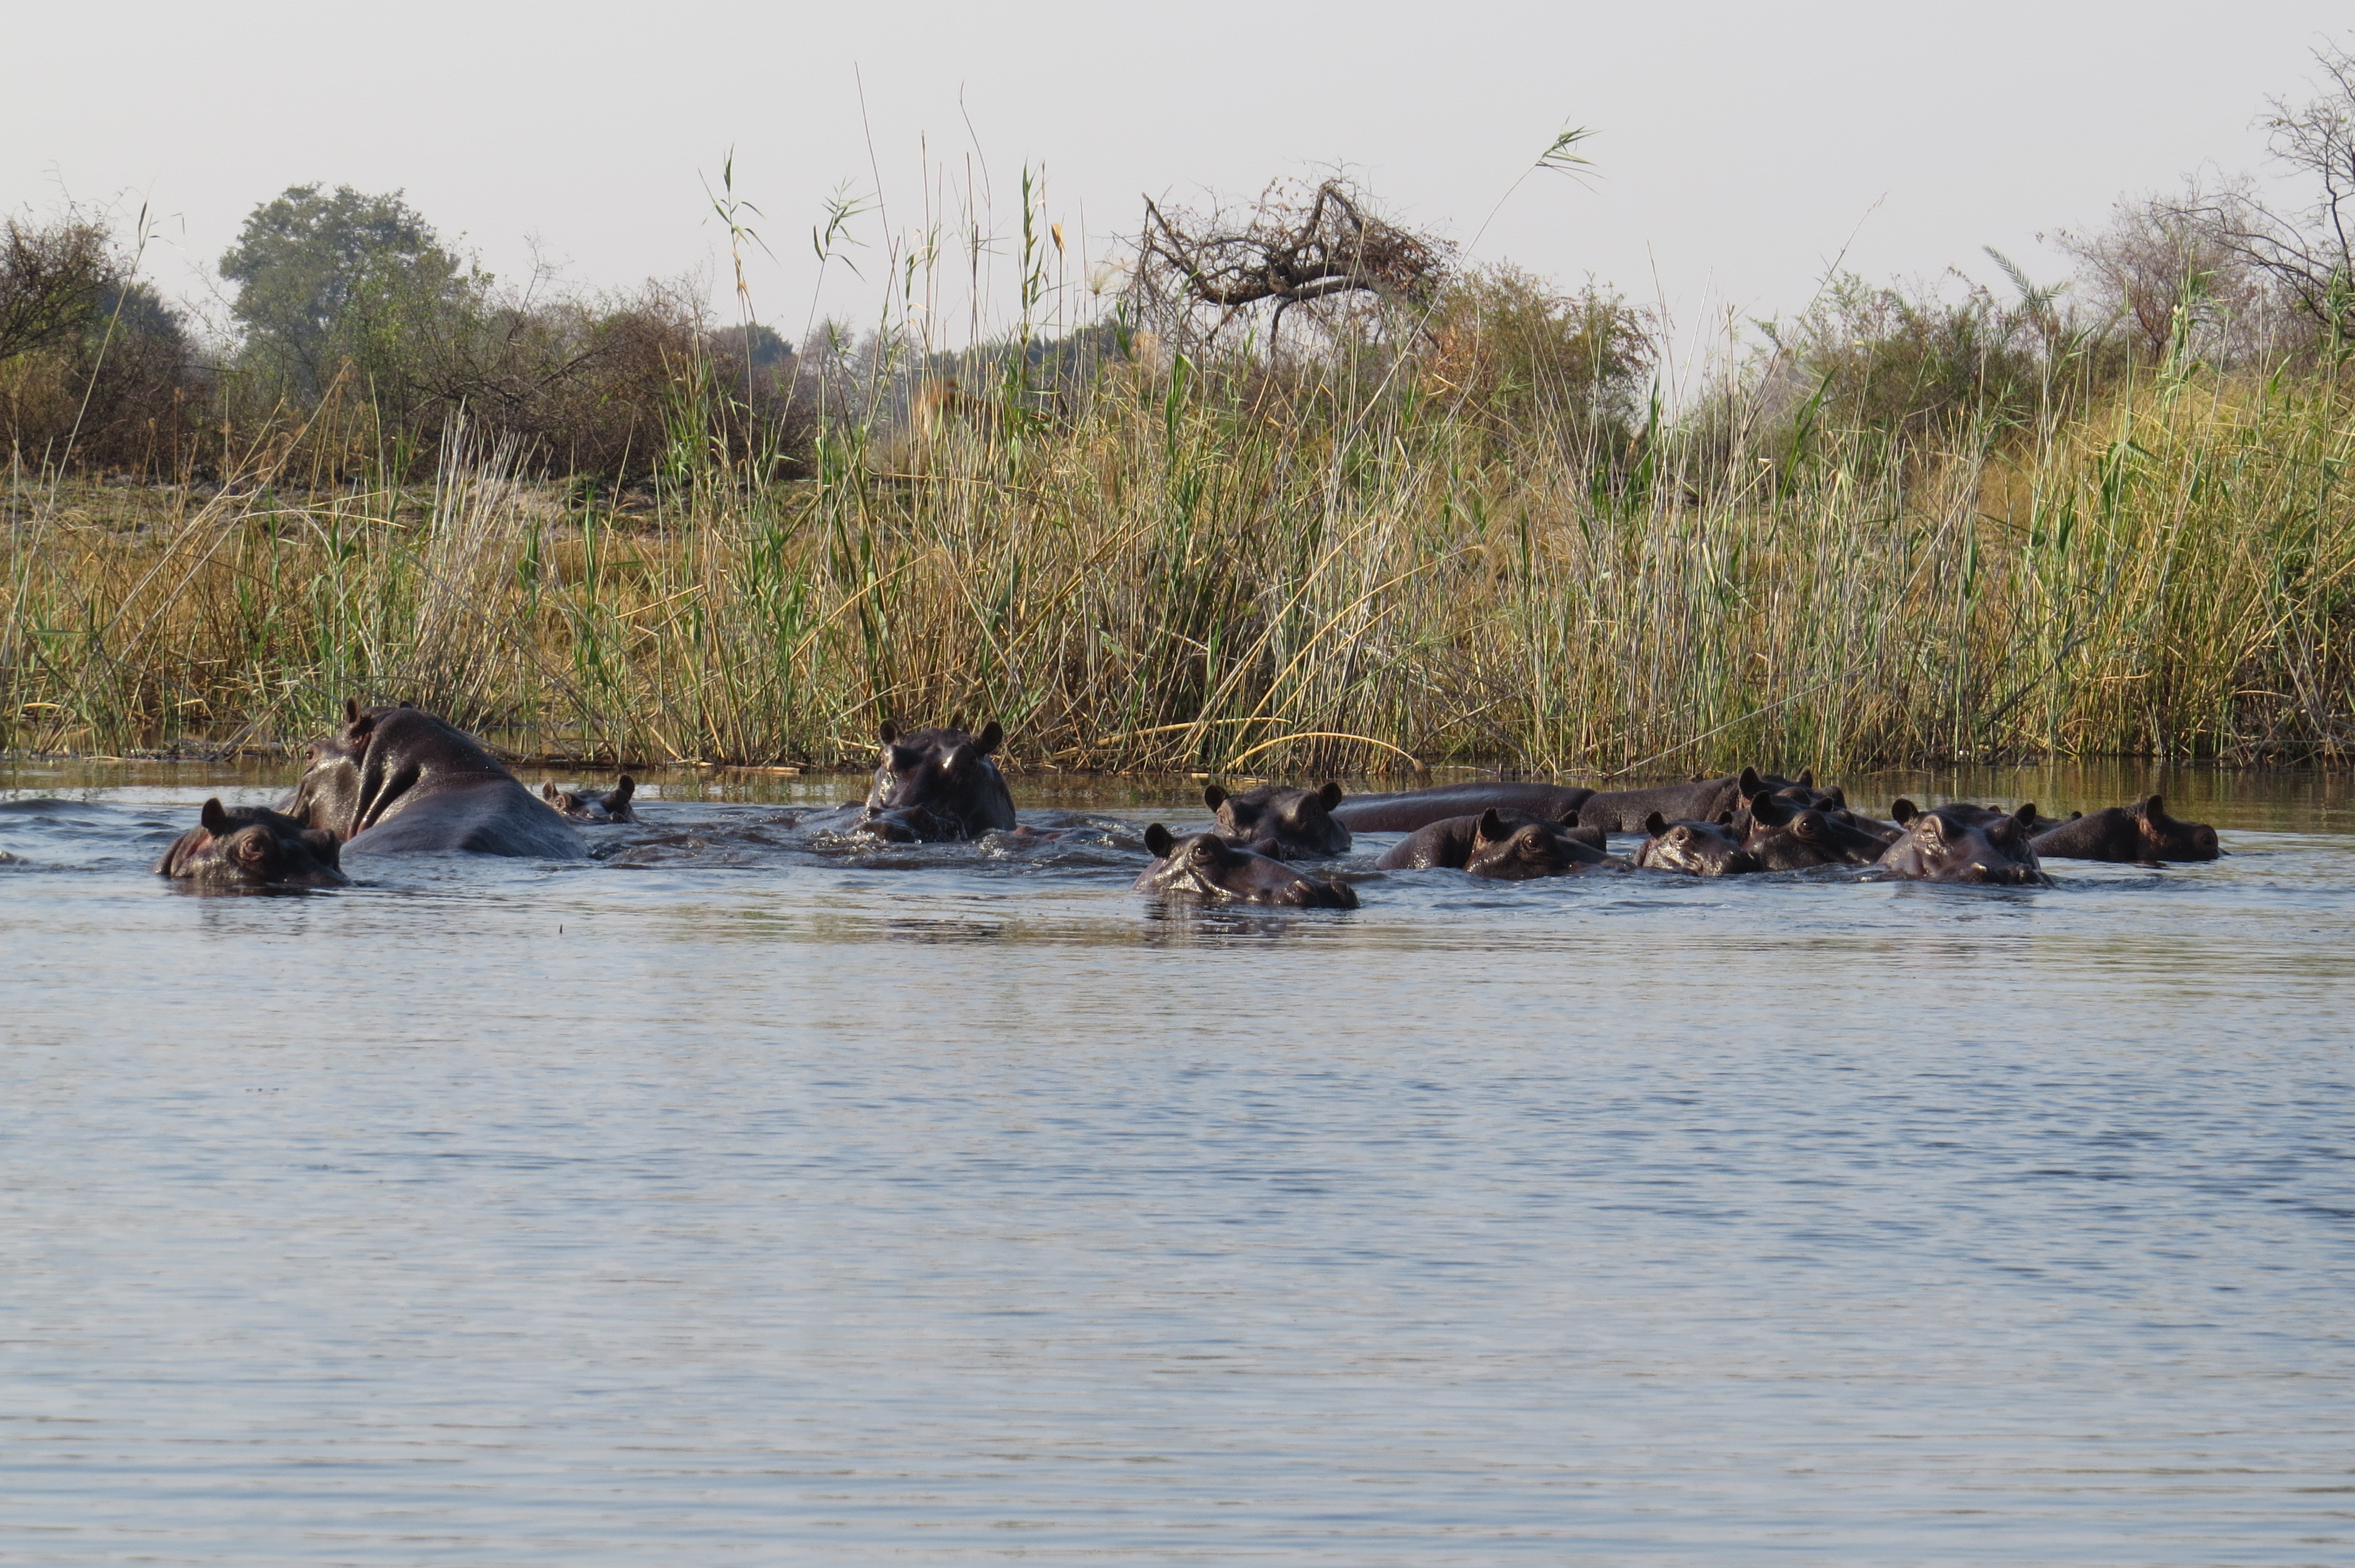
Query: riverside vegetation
x=1456 y=521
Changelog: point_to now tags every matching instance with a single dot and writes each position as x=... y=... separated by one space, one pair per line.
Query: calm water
x=720 y=1203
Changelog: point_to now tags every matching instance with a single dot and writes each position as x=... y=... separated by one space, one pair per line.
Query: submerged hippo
x=1961 y=842
x=1507 y=845
x=2142 y=831
x=1786 y=836
x=252 y=846
x=398 y=780
x=1408 y=809
x=1205 y=866
x=1285 y=821
x=932 y=785
x=594 y=805
x=1696 y=848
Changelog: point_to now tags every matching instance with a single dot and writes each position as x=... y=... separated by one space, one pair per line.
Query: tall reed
x=1191 y=566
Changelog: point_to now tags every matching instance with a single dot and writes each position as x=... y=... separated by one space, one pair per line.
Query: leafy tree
x=324 y=279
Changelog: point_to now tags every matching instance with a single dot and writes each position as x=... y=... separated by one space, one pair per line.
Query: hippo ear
x=1749 y=784
x=551 y=794
x=351 y=710
x=2026 y=816
x=1492 y=826
x=1902 y=810
x=357 y=732
x=989 y=739
x=214 y=819
x=1656 y=824
x=1837 y=796
x=890 y=732
x=2152 y=810
x=1158 y=841
x=1807 y=777
x=1570 y=819
x=1725 y=819
x=1213 y=797
x=1330 y=794
x=622 y=790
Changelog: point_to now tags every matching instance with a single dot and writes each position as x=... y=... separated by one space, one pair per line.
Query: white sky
x=1741 y=147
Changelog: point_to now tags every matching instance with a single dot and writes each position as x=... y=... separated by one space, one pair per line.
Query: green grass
x=1220 y=571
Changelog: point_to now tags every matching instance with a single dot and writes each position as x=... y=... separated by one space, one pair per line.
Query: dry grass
x=1191 y=572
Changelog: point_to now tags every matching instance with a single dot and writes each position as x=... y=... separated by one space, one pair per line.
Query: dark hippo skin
x=934 y=786
x=1966 y=843
x=1521 y=851
x=2142 y=833
x=594 y=805
x=1408 y=809
x=1205 y=866
x=1455 y=841
x=1695 y=848
x=400 y=781
x=252 y=846
x=1281 y=821
x=1786 y=836
x=1694 y=800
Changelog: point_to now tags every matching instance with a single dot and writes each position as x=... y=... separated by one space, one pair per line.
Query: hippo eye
x=1682 y=835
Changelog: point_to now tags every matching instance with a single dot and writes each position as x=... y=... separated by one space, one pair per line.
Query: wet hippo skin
x=1406 y=810
x=1962 y=842
x=594 y=805
x=1205 y=866
x=2142 y=831
x=252 y=846
x=1695 y=848
x=1483 y=843
x=1285 y=821
x=1785 y=836
x=398 y=780
x=933 y=786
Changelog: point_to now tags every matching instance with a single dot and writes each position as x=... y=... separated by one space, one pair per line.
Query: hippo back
x=400 y=780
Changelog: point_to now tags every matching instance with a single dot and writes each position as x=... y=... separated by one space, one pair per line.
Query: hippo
x=935 y=785
x=2140 y=833
x=1205 y=866
x=252 y=846
x=594 y=805
x=1499 y=844
x=1285 y=821
x=1409 y=809
x=1696 y=848
x=398 y=780
x=1696 y=799
x=1960 y=842
x=1520 y=852
x=1786 y=836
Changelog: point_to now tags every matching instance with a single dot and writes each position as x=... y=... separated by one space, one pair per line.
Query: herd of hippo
x=396 y=779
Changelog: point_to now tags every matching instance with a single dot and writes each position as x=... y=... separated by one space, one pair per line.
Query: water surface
x=721 y=1202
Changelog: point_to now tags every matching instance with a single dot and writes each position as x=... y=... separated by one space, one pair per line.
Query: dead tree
x=1318 y=249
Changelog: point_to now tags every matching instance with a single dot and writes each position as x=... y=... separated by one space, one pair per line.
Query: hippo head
x=934 y=784
x=328 y=795
x=1698 y=849
x=2167 y=838
x=1205 y=866
x=1516 y=852
x=594 y=805
x=1966 y=843
x=252 y=846
x=1282 y=820
x=1786 y=836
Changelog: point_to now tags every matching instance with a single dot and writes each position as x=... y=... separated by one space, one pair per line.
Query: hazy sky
x=1740 y=147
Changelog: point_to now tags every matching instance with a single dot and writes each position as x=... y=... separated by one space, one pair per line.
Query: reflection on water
x=726 y=1200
